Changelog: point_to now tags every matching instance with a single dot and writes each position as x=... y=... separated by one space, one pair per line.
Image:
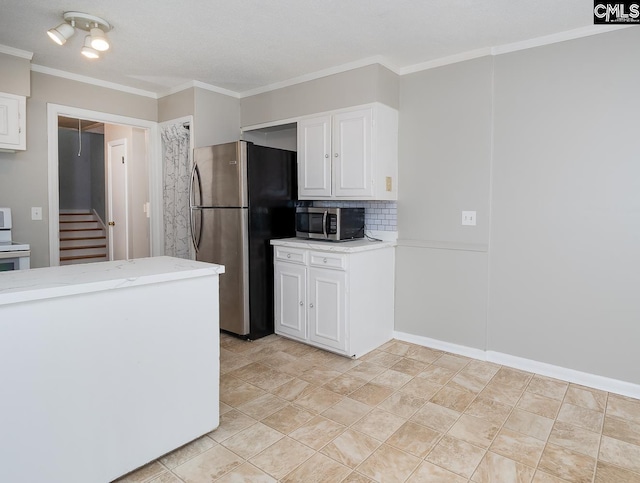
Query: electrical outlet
x=36 y=213
x=469 y=218
x=389 y=186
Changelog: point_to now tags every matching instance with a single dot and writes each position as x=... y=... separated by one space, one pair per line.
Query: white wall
x=550 y=273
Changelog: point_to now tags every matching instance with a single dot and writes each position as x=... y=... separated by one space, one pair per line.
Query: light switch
x=469 y=218
x=389 y=185
x=36 y=213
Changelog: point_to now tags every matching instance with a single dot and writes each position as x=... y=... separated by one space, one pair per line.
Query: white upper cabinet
x=314 y=163
x=12 y=122
x=350 y=154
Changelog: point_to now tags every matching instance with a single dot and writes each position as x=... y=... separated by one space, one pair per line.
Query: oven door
x=10 y=261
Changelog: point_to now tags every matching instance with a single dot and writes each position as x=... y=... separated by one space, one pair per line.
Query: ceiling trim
x=322 y=73
x=5 y=49
x=555 y=38
x=91 y=80
x=452 y=59
x=201 y=85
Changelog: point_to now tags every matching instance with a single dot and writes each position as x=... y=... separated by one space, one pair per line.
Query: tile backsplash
x=378 y=215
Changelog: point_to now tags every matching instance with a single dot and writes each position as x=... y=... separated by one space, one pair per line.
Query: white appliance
x=13 y=255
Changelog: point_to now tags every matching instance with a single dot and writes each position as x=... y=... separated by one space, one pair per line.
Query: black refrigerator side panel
x=272 y=191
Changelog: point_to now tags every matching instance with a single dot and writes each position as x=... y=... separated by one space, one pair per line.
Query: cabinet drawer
x=328 y=260
x=291 y=255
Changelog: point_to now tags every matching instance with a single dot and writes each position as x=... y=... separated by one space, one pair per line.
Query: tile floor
x=293 y=413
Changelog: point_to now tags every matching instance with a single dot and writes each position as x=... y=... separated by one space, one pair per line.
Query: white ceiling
x=241 y=45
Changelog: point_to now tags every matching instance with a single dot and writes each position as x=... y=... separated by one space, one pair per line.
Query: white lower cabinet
x=341 y=302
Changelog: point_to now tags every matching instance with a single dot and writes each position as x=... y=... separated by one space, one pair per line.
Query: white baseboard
x=570 y=375
x=462 y=350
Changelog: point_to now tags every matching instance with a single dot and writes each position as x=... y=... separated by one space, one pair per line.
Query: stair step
x=74 y=252
x=83 y=246
x=76 y=216
x=82 y=224
x=81 y=233
x=80 y=257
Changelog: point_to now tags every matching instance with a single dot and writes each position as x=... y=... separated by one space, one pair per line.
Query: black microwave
x=333 y=224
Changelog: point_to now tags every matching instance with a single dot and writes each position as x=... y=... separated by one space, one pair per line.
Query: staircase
x=82 y=238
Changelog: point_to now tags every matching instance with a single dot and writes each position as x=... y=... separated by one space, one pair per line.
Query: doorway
x=135 y=189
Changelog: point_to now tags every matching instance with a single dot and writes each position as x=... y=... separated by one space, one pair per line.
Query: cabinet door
x=290 y=304
x=314 y=158
x=326 y=308
x=352 y=169
x=12 y=123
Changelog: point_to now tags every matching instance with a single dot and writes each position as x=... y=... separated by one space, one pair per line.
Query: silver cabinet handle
x=324 y=260
x=326 y=155
x=311 y=305
x=301 y=304
x=336 y=155
x=288 y=255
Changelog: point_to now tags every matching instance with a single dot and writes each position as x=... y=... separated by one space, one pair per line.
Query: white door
x=352 y=175
x=290 y=304
x=117 y=204
x=314 y=158
x=326 y=308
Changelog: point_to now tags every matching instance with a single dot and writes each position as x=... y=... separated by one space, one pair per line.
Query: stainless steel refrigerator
x=242 y=196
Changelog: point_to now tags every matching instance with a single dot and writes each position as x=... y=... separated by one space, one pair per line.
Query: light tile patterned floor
x=293 y=413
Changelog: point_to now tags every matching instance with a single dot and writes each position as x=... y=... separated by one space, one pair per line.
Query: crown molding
x=322 y=73
x=90 y=80
x=5 y=49
x=452 y=59
x=200 y=85
x=556 y=38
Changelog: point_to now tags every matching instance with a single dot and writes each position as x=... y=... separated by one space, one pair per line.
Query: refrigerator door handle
x=195 y=177
x=194 y=240
x=325 y=215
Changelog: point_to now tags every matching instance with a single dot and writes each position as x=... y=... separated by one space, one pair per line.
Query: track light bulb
x=88 y=51
x=99 y=39
x=61 y=33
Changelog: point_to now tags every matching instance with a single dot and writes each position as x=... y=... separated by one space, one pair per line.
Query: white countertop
x=43 y=283
x=351 y=246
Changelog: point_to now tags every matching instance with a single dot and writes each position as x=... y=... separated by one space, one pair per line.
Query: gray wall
x=358 y=86
x=558 y=204
x=23 y=175
x=216 y=118
x=16 y=75
x=565 y=247
x=445 y=158
x=74 y=172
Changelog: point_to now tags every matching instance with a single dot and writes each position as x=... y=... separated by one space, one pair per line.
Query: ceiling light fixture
x=97 y=27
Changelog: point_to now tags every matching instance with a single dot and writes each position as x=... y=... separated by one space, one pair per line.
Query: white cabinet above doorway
x=13 y=114
x=349 y=154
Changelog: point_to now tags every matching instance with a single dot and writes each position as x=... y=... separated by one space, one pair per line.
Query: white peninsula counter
x=105 y=366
